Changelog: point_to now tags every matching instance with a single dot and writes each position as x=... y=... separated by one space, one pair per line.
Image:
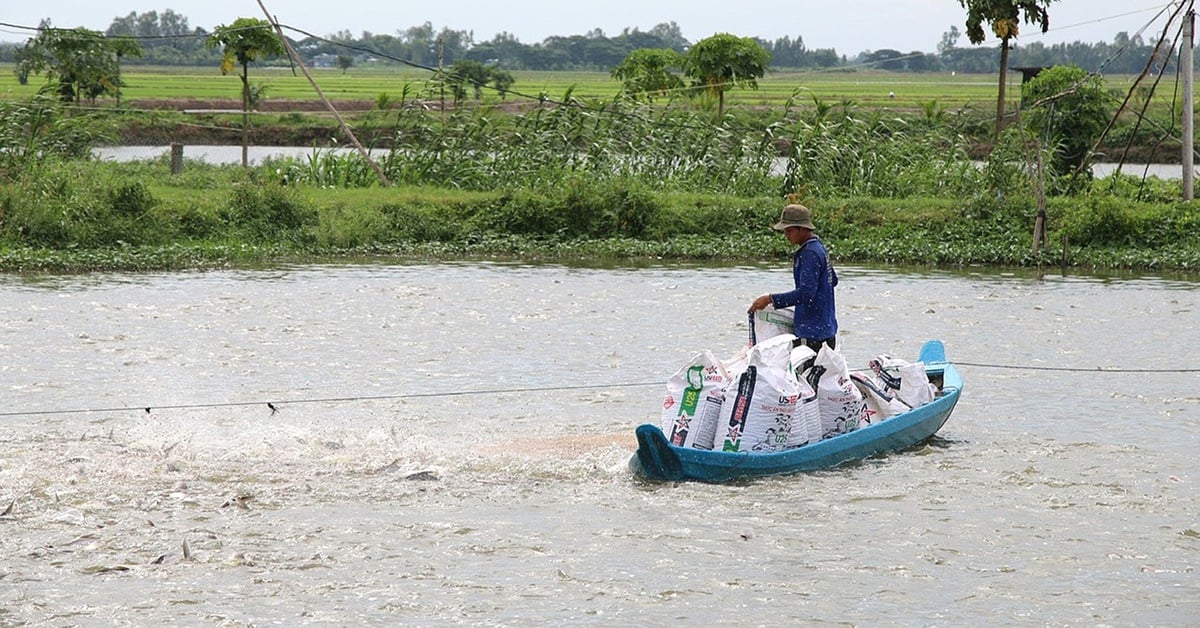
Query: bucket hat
x=795 y=216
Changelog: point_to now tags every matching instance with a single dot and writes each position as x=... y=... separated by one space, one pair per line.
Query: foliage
x=650 y=72
x=836 y=152
x=1004 y=17
x=89 y=215
x=1006 y=171
x=267 y=212
x=582 y=208
x=83 y=62
x=723 y=61
x=69 y=204
x=474 y=149
x=463 y=74
x=324 y=168
x=36 y=131
x=1102 y=221
x=245 y=40
x=1066 y=108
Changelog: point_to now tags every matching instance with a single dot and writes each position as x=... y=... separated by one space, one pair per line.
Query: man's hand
x=759 y=303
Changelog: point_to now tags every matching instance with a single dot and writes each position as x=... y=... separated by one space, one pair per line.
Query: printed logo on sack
x=680 y=433
x=741 y=407
x=713 y=374
x=668 y=402
x=889 y=380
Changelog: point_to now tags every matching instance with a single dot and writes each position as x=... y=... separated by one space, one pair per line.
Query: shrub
x=131 y=199
x=265 y=211
x=1068 y=110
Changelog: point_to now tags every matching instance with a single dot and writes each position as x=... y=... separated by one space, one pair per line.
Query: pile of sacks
x=772 y=396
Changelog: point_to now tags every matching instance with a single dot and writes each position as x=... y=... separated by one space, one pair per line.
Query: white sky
x=849 y=26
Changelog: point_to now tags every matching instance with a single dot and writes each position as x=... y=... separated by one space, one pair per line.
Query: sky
x=848 y=26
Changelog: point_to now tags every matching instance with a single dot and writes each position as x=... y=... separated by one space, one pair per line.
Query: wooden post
x=176 y=158
x=1185 y=66
x=1039 y=189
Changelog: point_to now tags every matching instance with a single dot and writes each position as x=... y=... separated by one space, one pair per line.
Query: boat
x=658 y=460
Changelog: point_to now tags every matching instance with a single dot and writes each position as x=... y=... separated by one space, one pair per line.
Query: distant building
x=324 y=60
x=1030 y=72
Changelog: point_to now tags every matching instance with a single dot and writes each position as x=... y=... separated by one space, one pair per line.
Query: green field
x=865 y=88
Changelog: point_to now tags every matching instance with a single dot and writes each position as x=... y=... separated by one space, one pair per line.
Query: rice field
x=870 y=89
x=866 y=88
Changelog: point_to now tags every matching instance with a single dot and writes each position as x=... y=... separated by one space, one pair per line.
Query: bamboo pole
x=328 y=105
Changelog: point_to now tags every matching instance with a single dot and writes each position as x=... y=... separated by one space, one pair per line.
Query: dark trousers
x=815 y=345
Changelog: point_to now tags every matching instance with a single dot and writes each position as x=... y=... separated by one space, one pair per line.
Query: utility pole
x=1185 y=63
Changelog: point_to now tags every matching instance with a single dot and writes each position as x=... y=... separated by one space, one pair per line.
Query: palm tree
x=246 y=40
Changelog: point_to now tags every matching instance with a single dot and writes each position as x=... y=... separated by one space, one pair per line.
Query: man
x=815 y=320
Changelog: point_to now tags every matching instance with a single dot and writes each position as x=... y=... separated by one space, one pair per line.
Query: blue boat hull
x=659 y=460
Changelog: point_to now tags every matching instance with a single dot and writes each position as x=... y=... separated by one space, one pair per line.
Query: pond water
x=226 y=155
x=447 y=443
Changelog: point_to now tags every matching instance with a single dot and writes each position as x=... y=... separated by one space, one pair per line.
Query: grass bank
x=85 y=216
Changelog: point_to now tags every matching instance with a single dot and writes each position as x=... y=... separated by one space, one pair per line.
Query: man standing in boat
x=815 y=319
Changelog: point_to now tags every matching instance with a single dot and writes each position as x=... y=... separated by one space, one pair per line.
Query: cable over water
x=273 y=405
x=1068 y=369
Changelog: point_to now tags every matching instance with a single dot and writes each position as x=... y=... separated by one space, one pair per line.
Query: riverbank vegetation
x=626 y=183
x=651 y=169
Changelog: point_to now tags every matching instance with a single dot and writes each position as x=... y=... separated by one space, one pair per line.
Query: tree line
x=167 y=38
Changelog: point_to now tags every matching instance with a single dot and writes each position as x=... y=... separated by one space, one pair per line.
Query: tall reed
x=823 y=150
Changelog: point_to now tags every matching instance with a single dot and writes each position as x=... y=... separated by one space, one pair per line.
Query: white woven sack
x=842 y=406
x=769 y=322
x=806 y=420
x=882 y=402
x=909 y=382
x=759 y=402
x=693 y=400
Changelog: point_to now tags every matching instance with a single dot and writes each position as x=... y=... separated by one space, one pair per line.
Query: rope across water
x=273 y=405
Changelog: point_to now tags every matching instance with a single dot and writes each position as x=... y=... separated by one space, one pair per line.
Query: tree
x=648 y=72
x=166 y=37
x=722 y=61
x=344 y=62
x=502 y=81
x=464 y=73
x=949 y=40
x=1004 y=17
x=84 y=62
x=671 y=36
x=246 y=39
x=1067 y=109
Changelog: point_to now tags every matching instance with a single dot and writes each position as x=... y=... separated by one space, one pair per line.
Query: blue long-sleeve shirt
x=815 y=310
